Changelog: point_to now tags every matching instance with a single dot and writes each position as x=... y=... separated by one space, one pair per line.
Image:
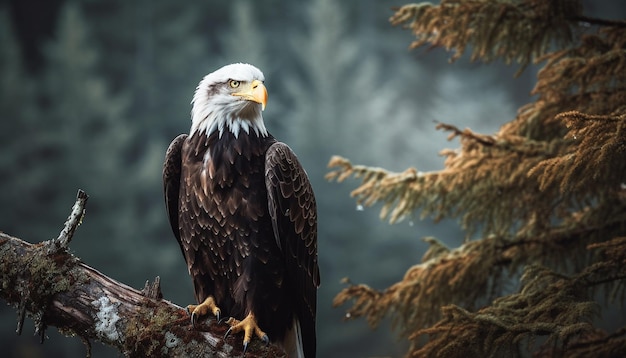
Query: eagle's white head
x=231 y=98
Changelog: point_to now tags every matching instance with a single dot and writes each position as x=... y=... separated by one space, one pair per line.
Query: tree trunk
x=47 y=283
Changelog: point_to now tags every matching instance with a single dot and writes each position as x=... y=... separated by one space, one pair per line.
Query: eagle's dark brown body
x=244 y=215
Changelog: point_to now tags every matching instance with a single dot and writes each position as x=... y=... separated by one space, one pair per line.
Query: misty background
x=93 y=91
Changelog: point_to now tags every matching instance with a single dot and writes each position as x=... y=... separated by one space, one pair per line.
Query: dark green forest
x=93 y=91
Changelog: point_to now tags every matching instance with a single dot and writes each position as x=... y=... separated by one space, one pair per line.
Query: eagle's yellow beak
x=255 y=91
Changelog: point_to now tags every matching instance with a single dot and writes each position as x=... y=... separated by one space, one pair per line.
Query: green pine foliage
x=545 y=195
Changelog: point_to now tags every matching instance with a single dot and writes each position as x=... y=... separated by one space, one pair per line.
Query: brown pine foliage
x=546 y=193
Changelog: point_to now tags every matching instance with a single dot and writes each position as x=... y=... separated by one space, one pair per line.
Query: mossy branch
x=44 y=281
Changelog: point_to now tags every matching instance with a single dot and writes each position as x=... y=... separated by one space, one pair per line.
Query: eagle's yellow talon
x=249 y=326
x=203 y=309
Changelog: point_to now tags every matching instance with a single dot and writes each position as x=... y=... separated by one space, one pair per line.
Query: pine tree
x=542 y=200
x=156 y=56
x=78 y=139
x=245 y=41
x=61 y=130
x=17 y=116
x=66 y=132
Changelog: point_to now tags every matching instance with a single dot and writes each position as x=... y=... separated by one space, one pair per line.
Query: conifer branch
x=600 y=150
x=456 y=132
x=556 y=306
x=550 y=304
x=514 y=31
x=600 y=22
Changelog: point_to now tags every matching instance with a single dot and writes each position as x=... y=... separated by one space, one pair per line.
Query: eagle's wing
x=171 y=182
x=188 y=227
x=293 y=211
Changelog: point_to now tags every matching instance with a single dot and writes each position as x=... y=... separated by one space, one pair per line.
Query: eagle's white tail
x=293 y=341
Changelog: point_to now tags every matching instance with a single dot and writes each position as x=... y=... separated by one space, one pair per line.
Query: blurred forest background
x=92 y=92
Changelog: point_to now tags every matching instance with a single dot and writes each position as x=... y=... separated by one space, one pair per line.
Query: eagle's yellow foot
x=248 y=326
x=197 y=311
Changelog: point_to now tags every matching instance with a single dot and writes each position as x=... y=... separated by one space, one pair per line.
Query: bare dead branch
x=72 y=222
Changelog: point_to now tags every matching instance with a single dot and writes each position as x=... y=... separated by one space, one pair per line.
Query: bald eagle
x=243 y=211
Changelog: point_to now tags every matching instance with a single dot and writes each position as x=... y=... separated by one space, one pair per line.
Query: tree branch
x=600 y=22
x=47 y=283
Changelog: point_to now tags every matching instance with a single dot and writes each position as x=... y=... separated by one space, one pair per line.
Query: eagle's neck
x=224 y=158
x=234 y=118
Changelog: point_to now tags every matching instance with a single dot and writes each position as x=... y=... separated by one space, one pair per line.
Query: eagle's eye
x=233 y=83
